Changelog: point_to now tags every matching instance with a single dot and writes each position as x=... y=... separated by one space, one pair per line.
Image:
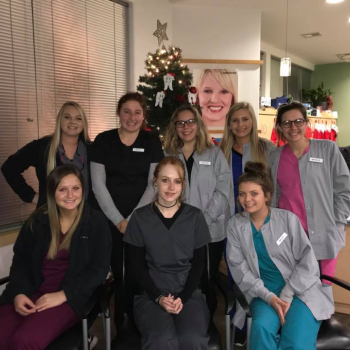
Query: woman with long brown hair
x=61 y=256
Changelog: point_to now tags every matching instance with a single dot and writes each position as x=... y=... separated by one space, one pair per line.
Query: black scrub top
x=168 y=251
x=127 y=167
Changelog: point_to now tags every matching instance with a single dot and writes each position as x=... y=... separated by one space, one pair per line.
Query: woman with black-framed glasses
x=208 y=178
x=313 y=182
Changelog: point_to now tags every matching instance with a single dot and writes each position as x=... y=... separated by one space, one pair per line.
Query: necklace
x=165 y=206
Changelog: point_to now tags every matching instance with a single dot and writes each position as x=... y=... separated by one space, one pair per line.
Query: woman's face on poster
x=214 y=100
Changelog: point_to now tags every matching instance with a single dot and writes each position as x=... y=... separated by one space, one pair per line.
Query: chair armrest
x=227 y=294
x=4 y=280
x=241 y=299
x=337 y=281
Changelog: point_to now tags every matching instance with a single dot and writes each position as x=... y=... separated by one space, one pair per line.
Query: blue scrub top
x=269 y=273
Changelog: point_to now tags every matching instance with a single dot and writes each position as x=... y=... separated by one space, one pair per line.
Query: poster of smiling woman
x=216 y=93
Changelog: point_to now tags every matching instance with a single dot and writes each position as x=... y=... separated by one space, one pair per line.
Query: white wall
x=222 y=33
x=143 y=17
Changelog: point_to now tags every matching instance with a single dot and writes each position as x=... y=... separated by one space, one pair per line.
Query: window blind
x=50 y=53
x=18 y=112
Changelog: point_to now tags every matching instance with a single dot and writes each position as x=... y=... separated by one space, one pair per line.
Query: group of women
x=168 y=210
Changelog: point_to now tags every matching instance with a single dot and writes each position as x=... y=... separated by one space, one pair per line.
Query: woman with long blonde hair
x=61 y=256
x=241 y=142
x=208 y=177
x=67 y=145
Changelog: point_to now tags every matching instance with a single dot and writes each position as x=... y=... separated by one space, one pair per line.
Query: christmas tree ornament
x=192 y=95
x=160 y=33
x=159 y=98
x=168 y=81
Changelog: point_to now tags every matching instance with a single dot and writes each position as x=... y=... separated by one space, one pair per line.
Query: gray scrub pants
x=161 y=330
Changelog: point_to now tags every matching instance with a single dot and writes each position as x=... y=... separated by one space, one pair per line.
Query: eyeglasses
x=297 y=122
x=181 y=123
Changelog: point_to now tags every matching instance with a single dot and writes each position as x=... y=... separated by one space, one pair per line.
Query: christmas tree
x=166 y=85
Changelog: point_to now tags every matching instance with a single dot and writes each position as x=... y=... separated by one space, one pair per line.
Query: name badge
x=316 y=160
x=282 y=238
x=203 y=162
x=138 y=149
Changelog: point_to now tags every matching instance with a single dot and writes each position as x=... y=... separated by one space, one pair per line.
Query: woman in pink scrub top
x=313 y=182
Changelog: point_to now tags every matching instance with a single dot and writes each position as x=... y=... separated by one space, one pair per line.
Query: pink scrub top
x=288 y=178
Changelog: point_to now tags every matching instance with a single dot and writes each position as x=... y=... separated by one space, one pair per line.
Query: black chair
x=76 y=338
x=129 y=338
x=331 y=336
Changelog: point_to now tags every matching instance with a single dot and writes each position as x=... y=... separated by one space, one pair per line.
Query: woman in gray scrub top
x=167 y=240
x=208 y=177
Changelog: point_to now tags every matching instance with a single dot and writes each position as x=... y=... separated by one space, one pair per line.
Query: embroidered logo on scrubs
x=316 y=160
x=203 y=162
x=282 y=238
x=138 y=149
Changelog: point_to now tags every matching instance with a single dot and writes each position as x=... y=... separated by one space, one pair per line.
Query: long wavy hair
x=172 y=142
x=258 y=147
x=53 y=211
x=56 y=136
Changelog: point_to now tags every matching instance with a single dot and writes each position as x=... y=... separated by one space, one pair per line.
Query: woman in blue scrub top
x=272 y=262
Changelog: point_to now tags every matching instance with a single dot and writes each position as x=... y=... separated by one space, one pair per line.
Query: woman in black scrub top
x=122 y=165
x=166 y=241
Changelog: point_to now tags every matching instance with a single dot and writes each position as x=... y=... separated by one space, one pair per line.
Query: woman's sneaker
x=92 y=341
x=240 y=338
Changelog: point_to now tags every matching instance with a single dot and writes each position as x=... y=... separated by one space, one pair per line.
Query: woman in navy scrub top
x=122 y=165
x=167 y=240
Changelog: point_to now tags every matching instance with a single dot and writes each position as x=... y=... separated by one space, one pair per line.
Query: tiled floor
x=218 y=318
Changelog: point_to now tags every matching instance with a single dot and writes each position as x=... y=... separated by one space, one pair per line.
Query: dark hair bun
x=257 y=168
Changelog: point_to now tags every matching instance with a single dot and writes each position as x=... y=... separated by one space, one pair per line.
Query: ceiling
x=305 y=16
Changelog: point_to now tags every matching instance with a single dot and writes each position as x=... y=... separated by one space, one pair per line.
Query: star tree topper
x=160 y=33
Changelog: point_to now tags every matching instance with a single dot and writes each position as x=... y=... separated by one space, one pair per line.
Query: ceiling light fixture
x=286 y=63
x=334 y=1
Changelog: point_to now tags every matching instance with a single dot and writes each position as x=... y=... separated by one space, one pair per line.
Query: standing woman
x=273 y=263
x=312 y=180
x=208 y=177
x=122 y=165
x=241 y=142
x=67 y=145
x=61 y=256
x=166 y=240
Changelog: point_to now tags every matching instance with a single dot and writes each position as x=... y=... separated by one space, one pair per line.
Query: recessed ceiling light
x=334 y=1
x=349 y=20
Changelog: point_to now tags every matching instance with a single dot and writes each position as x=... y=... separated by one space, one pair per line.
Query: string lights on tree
x=166 y=85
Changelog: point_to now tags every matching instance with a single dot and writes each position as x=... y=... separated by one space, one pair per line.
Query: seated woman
x=271 y=260
x=167 y=241
x=61 y=255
